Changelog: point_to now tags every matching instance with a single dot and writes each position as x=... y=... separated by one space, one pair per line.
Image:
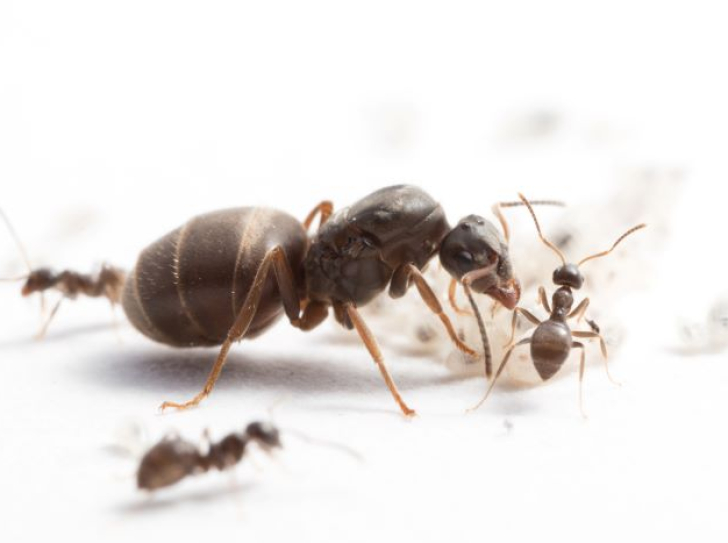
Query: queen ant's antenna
x=538 y=227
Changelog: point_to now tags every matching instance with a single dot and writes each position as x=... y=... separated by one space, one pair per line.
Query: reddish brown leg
x=451 y=292
x=434 y=304
x=275 y=257
x=371 y=344
x=506 y=358
x=325 y=209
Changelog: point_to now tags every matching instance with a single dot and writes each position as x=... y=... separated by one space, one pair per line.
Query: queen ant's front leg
x=451 y=296
x=371 y=344
x=400 y=281
x=275 y=258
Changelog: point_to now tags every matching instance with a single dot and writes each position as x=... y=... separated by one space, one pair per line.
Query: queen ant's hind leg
x=371 y=344
x=506 y=358
x=277 y=259
x=603 y=346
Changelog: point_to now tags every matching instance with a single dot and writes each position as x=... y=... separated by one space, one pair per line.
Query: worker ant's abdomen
x=188 y=286
x=550 y=347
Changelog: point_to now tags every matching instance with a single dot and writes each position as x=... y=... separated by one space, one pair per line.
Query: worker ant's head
x=37 y=281
x=477 y=252
x=569 y=275
x=265 y=434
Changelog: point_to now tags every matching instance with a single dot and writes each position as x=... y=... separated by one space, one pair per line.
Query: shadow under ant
x=61 y=335
x=175 y=372
x=157 y=503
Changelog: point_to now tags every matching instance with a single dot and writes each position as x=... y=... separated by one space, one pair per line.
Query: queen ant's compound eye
x=465 y=258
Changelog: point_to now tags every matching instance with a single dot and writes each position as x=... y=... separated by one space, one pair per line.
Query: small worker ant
x=107 y=283
x=173 y=458
x=551 y=341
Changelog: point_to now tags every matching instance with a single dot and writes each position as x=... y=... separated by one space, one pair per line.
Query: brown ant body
x=231 y=274
x=552 y=340
x=107 y=283
x=173 y=459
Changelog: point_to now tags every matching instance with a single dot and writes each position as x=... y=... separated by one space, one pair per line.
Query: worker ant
x=551 y=341
x=173 y=458
x=107 y=283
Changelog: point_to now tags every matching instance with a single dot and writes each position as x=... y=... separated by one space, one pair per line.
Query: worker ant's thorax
x=354 y=255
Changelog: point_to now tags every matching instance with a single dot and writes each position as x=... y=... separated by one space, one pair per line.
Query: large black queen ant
x=552 y=340
x=230 y=274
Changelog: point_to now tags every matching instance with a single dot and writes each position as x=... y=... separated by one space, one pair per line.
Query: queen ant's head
x=476 y=249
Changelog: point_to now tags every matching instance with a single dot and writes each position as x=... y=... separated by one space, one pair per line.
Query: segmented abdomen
x=188 y=286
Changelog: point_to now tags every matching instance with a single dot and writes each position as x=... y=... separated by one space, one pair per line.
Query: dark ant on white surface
x=174 y=459
x=107 y=283
x=231 y=274
x=552 y=340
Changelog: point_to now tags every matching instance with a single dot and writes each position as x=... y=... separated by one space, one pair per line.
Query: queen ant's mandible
x=551 y=341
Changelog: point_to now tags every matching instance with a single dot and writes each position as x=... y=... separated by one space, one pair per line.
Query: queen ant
x=551 y=341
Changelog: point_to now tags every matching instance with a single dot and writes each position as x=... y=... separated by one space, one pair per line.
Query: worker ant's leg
x=42 y=332
x=514 y=320
x=451 y=291
x=429 y=297
x=582 y=365
x=543 y=299
x=325 y=209
x=579 y=310
x=371 y=344
x=506 y=358
x=274 y=257
x=603 y=345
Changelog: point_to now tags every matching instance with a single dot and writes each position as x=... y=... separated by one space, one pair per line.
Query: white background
x=119 y=121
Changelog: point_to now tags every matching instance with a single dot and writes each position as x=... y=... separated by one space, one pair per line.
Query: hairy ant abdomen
x=188 y=286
